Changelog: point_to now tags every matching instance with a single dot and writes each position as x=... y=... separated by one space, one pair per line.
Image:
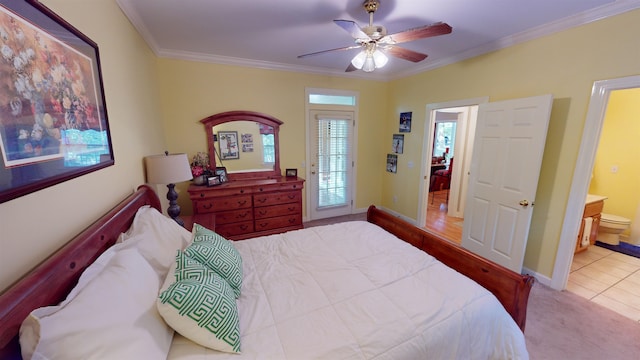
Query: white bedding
x=353 y=291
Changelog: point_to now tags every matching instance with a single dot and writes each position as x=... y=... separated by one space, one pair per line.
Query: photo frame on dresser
x=291 y=173
x=221 y=173
x=53 y=117
x=213 y=180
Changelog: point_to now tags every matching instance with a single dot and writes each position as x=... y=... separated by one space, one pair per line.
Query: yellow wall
x=156 y=104
x=619 y=147
x=192 y=91
x=33 y=226
x=565 y=65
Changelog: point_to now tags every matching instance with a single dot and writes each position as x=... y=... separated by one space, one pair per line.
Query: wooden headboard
x=51 y=281
x=511 y=289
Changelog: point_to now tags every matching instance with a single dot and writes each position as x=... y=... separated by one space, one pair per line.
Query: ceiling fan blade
x=326 y=51
x=418 y=33
x=351 y=68
x=352 y=28
x=405 y=54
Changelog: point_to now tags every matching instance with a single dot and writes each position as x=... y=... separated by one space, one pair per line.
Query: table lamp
x=169 y=169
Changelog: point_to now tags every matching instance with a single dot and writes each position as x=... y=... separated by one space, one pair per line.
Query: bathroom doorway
x=582 y=174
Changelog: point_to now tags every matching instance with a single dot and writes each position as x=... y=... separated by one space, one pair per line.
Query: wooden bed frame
x=50 y=282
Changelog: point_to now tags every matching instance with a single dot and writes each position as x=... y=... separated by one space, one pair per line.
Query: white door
x=331 y=168
x=507 y=154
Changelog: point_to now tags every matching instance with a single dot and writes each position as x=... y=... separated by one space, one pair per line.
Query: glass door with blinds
x=331 y=167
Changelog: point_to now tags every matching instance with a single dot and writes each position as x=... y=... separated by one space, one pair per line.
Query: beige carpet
x=562 y=325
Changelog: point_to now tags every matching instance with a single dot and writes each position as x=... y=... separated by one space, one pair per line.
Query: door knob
x=524 y=203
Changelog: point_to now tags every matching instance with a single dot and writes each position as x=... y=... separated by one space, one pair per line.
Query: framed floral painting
x=53 y=117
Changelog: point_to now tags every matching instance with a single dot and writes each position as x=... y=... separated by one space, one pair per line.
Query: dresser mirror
x=245 y=143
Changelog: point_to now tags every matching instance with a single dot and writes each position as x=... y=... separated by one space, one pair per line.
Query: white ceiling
x=272 y=33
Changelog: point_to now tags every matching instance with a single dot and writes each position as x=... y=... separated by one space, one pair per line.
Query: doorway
x=464 y=113
x=582 y=174
x=331 y=152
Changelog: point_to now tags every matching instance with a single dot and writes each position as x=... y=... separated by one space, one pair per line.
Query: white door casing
x=507 y=155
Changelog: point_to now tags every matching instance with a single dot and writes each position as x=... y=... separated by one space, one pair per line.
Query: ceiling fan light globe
x=359 y=60
x=380 y=59
x=369 y=64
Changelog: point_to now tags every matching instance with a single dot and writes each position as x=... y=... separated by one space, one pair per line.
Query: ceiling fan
x=375 y=43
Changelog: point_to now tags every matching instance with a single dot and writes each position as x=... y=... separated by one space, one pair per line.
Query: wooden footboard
x=511 y=289
x=51 y=281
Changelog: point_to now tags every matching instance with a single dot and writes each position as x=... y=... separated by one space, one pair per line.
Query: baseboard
x=542 y=279
x=397 y=214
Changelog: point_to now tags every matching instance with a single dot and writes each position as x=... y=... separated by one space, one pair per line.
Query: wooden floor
x=437 y=220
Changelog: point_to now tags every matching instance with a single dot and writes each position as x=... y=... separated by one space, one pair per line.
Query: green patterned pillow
x=201 y=306
x=218 y=254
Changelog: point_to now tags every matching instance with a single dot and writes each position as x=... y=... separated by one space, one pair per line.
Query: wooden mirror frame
x=211 y=121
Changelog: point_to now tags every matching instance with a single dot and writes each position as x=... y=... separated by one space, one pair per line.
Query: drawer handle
x=243 y=227
x=241 y=216
x=291 y=209
x=295 y=186
x=242 y=202
x=207 y=206
x=201 y=195
x=291 y=221
x=262 y=201
x=263 y=225
x=291 y=196
x=261 y=189
x=241 y=191
x=263 y=212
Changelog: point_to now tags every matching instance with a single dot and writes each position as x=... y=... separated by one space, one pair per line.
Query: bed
x=493 y=319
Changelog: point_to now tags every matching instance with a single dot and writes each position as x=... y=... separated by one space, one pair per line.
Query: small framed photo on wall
x=228 y=143
x=398 y=143
x=392 y=163
x=405 y=121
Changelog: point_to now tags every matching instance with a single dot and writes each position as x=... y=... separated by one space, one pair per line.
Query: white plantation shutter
x=334 y=159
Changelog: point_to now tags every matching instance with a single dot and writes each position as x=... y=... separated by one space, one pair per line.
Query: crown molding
x=599 y=13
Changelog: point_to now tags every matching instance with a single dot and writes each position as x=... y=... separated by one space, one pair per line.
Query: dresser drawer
x=278 y=222
x=278 y=210
x=238 y=228
x=276 y=198
x=226 y=217
x=222 y=203
x=284 y=186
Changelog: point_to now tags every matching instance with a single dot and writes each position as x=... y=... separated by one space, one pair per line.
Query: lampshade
x=369 y=59
x=168 y=169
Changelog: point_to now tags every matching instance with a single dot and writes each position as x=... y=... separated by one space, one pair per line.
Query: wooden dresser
x=242 y=209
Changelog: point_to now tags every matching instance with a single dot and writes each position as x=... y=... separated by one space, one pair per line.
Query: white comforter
x=353 y=291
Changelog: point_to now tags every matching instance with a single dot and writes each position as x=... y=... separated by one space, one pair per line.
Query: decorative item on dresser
x=253 y=200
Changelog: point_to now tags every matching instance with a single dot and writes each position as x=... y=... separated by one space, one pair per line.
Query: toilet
x=610 y=228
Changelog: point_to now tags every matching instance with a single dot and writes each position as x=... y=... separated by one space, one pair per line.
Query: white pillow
x=112 y=316
x=157 y=237
x=200 y=305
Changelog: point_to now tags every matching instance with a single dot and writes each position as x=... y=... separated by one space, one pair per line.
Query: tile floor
x=608 y=278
